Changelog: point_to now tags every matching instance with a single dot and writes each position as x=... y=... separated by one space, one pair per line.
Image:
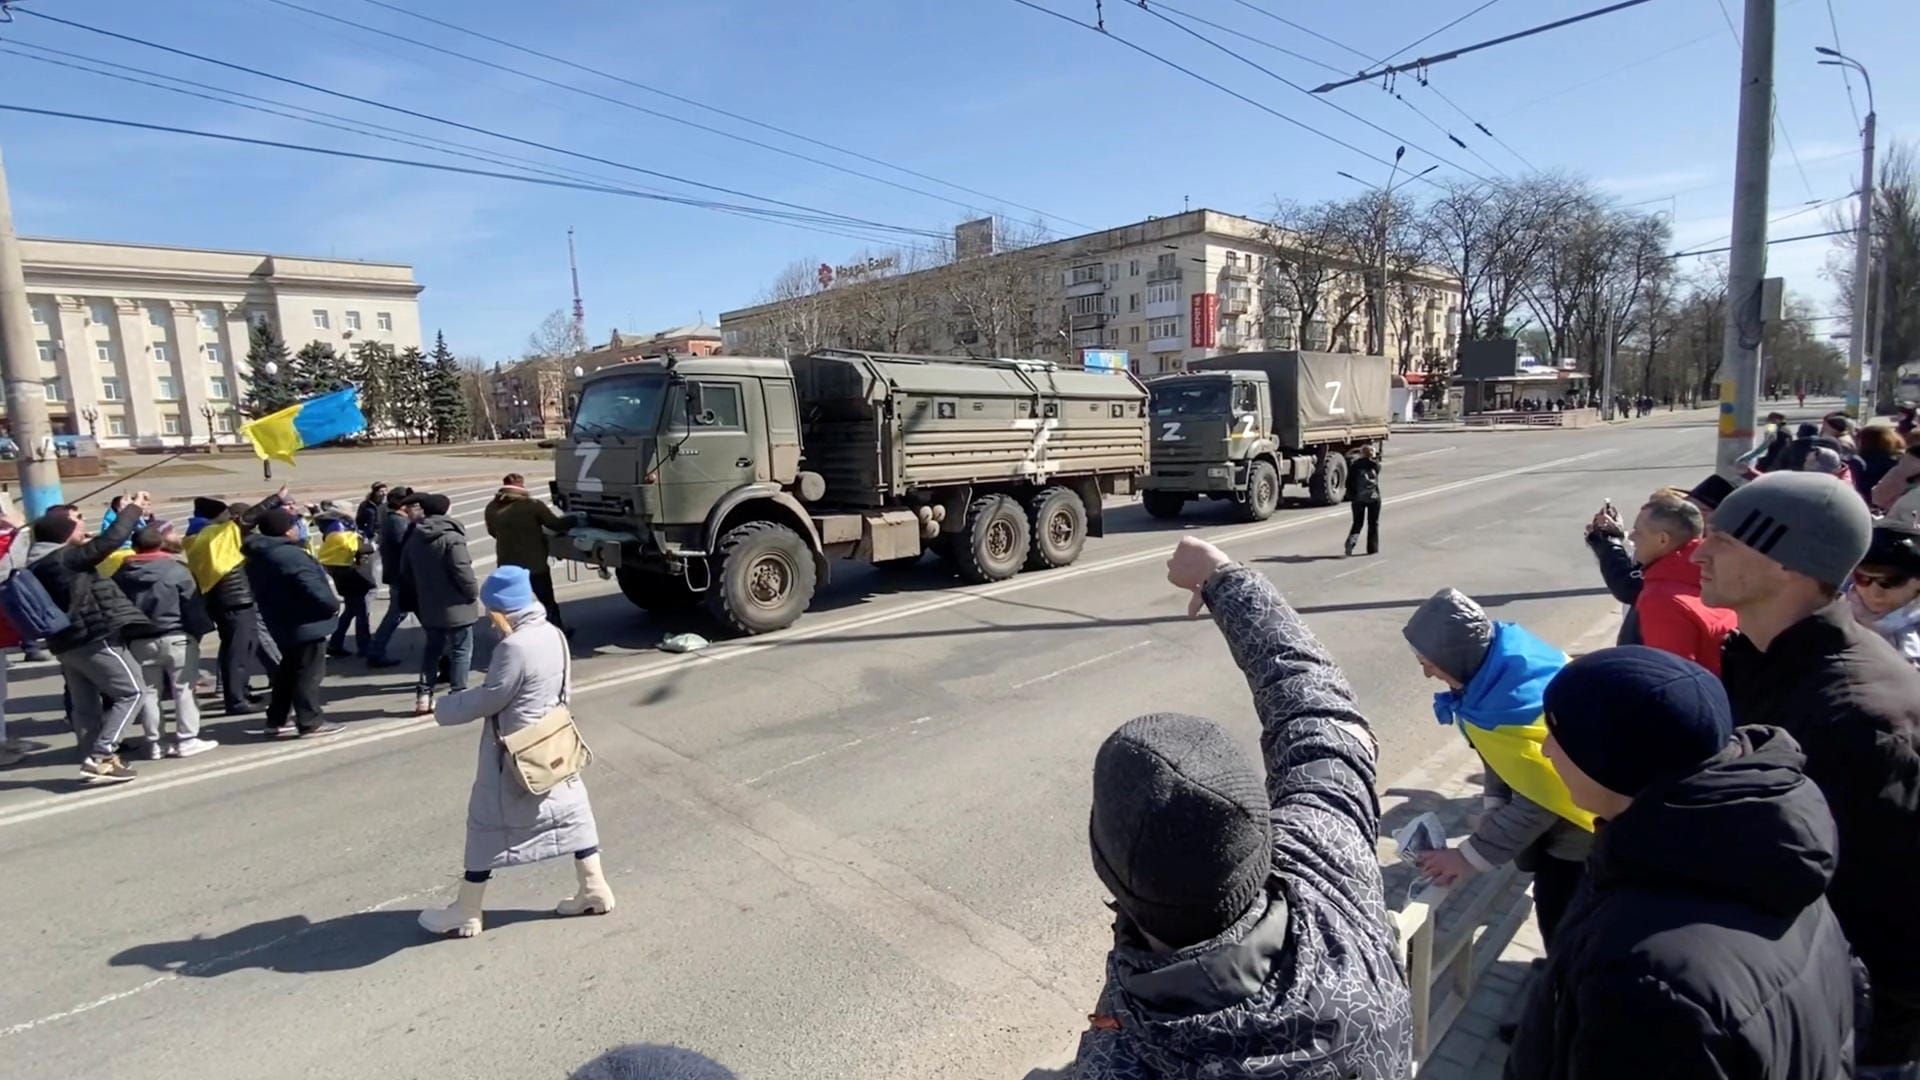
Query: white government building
x=145 y=346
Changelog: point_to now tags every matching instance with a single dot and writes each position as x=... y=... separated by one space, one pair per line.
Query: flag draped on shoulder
x=213 y=552
x=278 y=436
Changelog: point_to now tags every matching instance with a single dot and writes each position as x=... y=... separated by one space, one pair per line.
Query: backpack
x=29 y=608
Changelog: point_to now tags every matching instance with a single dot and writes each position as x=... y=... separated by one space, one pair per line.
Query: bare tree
x=1007 y=305
x=1896 y=246
x=556 y=338
x=1313 y=285
x=1490 y=237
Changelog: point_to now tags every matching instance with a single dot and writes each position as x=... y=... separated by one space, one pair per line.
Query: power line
x=1845 y=75
x=1483 y=128
x=1774 y=113
x=1444 y=130
x=1428 y=61
x=716 y=110
x=1402 y=51
x=1604 y=76
x=1256 y=9
x=1770 y=243
x=1788 y=216
x=1248 y=37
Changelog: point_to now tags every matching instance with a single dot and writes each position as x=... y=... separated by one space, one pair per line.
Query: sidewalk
x=1472 y=1049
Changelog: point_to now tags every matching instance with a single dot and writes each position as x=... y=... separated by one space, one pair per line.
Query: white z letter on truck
x=1333 y=398
x=586 y=481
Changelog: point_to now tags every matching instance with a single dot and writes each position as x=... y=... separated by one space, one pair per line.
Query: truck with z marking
x=734 y=483
x=1240 y=427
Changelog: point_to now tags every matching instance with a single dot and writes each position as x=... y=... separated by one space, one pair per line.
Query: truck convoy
x=1240 y=427
x=734 y=482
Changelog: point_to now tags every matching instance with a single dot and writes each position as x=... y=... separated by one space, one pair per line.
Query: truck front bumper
x=600 y=547
x=1196 y=477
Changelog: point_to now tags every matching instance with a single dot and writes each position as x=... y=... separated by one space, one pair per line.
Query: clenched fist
x=1193 y=564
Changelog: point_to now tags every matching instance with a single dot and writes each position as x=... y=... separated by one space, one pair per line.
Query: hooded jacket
x=439 y=576
x=1306 y=983
x=95 y=606
x=1672 y=617
x=303 y=607
x=1363 y=479
x=1699 y=944
x=519 y=524
x=1853 y=705
x=394 y=528
x=162 y=587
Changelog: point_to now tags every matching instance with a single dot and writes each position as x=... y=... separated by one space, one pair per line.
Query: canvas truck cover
x=1318 y=397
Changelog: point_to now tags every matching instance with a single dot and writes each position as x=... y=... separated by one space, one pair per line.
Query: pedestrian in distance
x=1363 y=481
x=1779 y=553
x=1667 y=612
x=102 y=679
x=1886 y=589
x=437 y=572
x=1701 y=945
x=214 y=537
x=168 y=648
x=527 y=679
x=348 y=559
x=395 y=526
x=300 y=616
x=1250 y=935
x=371 y=511
x=519 y=524
x=1496 y=676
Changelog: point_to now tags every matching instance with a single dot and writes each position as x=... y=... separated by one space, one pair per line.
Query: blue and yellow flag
x=213 y=552
x=278 y=436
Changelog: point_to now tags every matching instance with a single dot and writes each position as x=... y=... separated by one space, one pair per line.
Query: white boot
x=595 y=896
x=460 y=918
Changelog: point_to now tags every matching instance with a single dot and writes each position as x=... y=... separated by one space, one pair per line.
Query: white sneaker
x=154 y=750
x=190 y=747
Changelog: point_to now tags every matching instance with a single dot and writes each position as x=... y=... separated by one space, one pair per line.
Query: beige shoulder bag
x=551 y=752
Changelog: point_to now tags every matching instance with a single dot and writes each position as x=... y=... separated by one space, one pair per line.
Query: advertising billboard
x=1204 y=315
x=972 y=239
x=1104 y=359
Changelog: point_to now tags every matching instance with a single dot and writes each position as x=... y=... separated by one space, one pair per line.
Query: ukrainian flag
x=278 y=436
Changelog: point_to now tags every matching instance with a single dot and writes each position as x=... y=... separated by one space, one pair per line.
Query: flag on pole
x=278 y=436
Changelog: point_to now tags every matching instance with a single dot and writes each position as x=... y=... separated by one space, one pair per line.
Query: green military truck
x=1241 y=427
x=735 y=482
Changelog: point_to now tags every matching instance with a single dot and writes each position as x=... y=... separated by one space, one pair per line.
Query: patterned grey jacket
x=1307 y=983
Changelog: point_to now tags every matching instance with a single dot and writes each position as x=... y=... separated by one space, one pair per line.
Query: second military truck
x=1240 y=427
x=734 y=482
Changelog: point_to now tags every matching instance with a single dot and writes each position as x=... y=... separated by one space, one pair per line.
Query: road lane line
x=848 y=745
x=1082 y=664
x=55 y=805
x=1371 y=564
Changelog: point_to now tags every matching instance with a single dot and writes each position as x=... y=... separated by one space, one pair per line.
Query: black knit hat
x=1710 y=491
x=1179 y=829
x=1633 y=715
x=208 y=508
x=54 y=529
x=276 y=522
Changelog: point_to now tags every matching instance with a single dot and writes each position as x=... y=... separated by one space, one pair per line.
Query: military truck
x=736 y=482
x=1241 y=427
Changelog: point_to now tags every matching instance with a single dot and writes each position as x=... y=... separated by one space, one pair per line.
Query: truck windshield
x=1190 y=399
x=623 y=405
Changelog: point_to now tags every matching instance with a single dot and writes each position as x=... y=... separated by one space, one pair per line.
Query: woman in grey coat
x=526 y=679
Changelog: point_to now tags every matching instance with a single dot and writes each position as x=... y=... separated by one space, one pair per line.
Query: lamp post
x=1859 y=396
x=1379 y=334
x=206 y=413
x=92 y=416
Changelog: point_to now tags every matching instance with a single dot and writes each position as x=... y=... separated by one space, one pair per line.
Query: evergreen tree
x=412 y=412
x=373 y=371
x=317 y=369
x=270 y=385
x=445 y=395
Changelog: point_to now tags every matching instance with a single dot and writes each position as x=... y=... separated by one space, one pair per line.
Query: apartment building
x=1164 y=292
x=145 y=346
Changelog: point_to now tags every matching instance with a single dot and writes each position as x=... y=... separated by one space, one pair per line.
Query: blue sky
x=981 y=93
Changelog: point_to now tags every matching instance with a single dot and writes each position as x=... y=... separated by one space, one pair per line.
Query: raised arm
x=1617 y=568
x=114 y=537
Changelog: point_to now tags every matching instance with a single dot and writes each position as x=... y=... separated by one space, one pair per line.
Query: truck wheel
x=1057 y=520
x=1263 y=492
x=658 y=593
x=763 y=578
x=1165 y=505
x=1328 y=484
x=994 y=544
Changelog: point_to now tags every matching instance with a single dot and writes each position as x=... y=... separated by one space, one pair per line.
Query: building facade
x=530 y=399
x=1155 y=295
x=143 y=346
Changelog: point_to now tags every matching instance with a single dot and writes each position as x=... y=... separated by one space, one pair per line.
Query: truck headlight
x=1219 y=471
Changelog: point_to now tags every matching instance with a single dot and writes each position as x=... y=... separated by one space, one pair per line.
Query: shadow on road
x=1296 y=559
x=651 y=1061
x=296 y=945
x=1485 y=600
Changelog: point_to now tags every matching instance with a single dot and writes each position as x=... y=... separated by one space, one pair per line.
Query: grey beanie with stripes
x=1810 y=523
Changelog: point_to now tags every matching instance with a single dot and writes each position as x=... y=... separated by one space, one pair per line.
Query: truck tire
x=1165 y=505
x=658 y=593
x=1263 y=492
x=1328 y=484
x=763 y=578
x=994 y=544
x=1057 y=521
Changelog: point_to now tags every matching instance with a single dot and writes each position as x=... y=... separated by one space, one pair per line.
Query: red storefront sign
x=1203 y=314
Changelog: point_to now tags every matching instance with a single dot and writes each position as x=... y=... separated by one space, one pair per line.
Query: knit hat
x=275 y=522
x=1452 y=632
x=509 y=588
x=1810 y=523
x=1632 y=715
x=205 y=507
x=648 y=1061
x=1895 y=548
x=1821 y=459
x=54 y=529
x=1179 y=829
x=1711 y=491
x=430 y=504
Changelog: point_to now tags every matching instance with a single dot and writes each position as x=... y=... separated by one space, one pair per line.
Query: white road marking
x=1084 y=663
x=1371 y=564
x=848 y=745
x=55 y=805
x=1444 y=539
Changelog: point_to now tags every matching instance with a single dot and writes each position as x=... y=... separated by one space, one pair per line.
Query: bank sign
x=1203 y=313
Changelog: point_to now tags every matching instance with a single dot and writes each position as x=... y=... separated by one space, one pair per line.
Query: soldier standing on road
x=437 y=572
x=1363 y=479
x=519 y=524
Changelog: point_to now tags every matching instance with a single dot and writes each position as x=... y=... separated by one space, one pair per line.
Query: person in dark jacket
x=519 y=524
x=103 y=679
x=437 y=572
x=372 y=509
x=348 y=559
x=1251 y=937
x=162 y=587
x=1363 y=481
x=1701 y=945
x=1779 y=553
x=214 y=536
x=395 y=525
x=1880 y=450
x=300 y=617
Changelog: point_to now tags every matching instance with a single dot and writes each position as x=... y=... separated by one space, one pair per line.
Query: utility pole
x=20 y=369
x=1747 y=259
x=1606 y=370
x=1862 y=260
x=1879 y=323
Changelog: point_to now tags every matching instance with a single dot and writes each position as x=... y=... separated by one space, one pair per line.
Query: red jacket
x=1672 y=617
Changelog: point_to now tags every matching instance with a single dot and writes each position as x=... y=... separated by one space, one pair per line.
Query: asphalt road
x=853 y=849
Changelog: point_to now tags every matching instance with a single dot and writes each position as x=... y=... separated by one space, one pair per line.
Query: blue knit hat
x=1633 y=715
x=508 y=589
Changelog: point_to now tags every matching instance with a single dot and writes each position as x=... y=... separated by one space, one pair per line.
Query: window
x=39 y=315
x=99 y=311
x=1133 y=301
x=384 y=320
x=167 y=389
x=103 y=352
x=1113 y=271
x=156 y=315
x=213 y=354
x=722 y=403
x=1113 y=305
x=116 y=425
x=209 y=318
x=1161 y=329
x=56 y=390
x=1163 y=292
x=1113 y=335
x=160 y=354
x=1088 y=305
x=1245 y=398
x=320 y=319
x=1133 y=268
x=1165 y=263
x=46 y=352
x=110 y=390
x=217 y=389
x=353 y=320
x=1133 y=335
x=224 y=423
x=170 y=424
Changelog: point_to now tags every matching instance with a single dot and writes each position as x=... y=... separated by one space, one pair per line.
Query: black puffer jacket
x=1699 y=945
x=303 y=607
x=1854 y=706
x=394 y=528
x=1624 y=578
x=1363 y=479
x=232 y=592
x=96 y=608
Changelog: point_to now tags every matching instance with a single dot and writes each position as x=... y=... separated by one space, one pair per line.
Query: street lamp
x=92 y=416
x=1386 y=199
x=206 y=413
x=1858 y=394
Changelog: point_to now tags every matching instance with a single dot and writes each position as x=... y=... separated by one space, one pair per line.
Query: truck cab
x=1211 y=436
